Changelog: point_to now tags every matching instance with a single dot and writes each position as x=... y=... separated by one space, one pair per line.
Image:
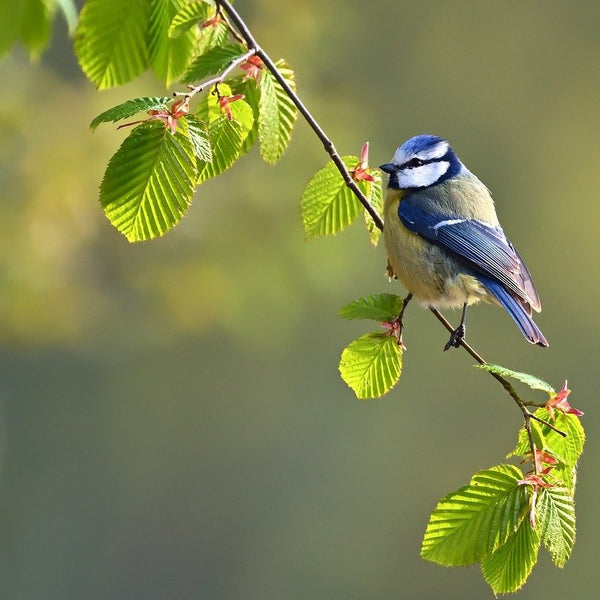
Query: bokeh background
x=172 y=423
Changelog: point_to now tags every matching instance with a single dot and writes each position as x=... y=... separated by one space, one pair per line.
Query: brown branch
x=238 y=26
x=326 y=141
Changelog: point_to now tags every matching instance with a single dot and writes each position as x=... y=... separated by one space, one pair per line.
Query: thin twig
x=238 y=60
x=327 y=143
x=238 y=24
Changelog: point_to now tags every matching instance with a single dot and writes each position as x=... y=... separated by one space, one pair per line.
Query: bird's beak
x=389 y=168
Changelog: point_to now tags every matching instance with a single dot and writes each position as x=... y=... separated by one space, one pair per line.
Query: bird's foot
x=457 y=336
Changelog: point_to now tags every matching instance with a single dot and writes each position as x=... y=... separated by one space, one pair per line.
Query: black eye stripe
x=413 y=163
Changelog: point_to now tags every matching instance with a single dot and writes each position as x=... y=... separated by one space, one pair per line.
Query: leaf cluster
x=30 y=22
x=149 y=182
x=502 y=517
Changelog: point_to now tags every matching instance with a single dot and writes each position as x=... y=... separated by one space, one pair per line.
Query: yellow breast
x=426 y=271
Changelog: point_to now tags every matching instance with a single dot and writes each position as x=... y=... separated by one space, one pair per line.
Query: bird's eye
x=414 y=162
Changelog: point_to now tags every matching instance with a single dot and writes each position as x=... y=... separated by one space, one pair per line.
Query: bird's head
x=421 y=162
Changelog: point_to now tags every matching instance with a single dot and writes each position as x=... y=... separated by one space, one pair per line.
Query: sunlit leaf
x=379 y=307
x=556 y=522
x=211 y=34
x=248 y=88
x=199 y=137
x=371 y=365
x=469 y=524
x=226 y=135
x=130 y=108
x=213 y=61
x=149 y=182
x=277 y=113
x=169 y=57
x=188 y=15
x=373 y=191
x=111 y=40
x=533 y=382
x=328 y=206
x=507 y=569
x=566 y=450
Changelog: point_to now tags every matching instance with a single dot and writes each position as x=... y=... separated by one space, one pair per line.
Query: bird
x=444 y=241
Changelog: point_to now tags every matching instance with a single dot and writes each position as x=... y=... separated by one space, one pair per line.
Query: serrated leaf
x=471 y=523
x=371 y=365
x=566 y=450
x=328 y=206
x=211 y=35
x=199 y=137
x=532 y=381
x=111 y=40
x=188 y=16
x=508 y=568
x=248 y=89
x=379 y=307
x=556 y=522
x=149 y=182
x=169 y=57
x=373 y=192
x=212 y=61
x=277 y=113
x=226 y=135
x=130 y=108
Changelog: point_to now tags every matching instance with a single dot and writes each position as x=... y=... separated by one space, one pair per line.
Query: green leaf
x=188 y=16
x=130 y=108
x=556 y=522
x=328 y=206
x=380 y=307
x=36 y=25
x=199 y=137
x=566 y=450
x=169 y=57
x=471 y=523
x=211 y=35
x=277 y=113
x=149 y=182
x=371 y=365
x=249 y=89
x=533 y=382
x=373 y=191
x=226 y=135
x=111 y=40
x=212 y=61
x=508 y=568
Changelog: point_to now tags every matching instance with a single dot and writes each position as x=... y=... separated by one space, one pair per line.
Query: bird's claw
x=456 y=338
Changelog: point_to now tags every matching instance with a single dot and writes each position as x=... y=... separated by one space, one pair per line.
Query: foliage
x=30 y=22
x=237 y=97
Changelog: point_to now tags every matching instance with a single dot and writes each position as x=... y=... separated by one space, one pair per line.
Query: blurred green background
x=172 y=423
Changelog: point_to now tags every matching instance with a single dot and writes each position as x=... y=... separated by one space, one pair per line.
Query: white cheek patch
x=422 y=176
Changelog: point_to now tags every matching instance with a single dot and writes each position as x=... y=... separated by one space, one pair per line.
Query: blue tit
x=444 y=241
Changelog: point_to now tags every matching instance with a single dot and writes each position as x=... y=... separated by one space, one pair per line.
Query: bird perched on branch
x=444 y=241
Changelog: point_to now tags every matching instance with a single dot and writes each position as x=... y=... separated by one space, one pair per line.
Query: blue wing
x=481 y=246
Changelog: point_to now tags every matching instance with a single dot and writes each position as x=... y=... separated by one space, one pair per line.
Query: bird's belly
x=431 y=274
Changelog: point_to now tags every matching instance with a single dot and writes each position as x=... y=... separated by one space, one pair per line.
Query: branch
x=327 y=143
x=195 y=89
x=240 y=29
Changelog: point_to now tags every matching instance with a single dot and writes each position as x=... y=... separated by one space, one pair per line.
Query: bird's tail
x=517 y=310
